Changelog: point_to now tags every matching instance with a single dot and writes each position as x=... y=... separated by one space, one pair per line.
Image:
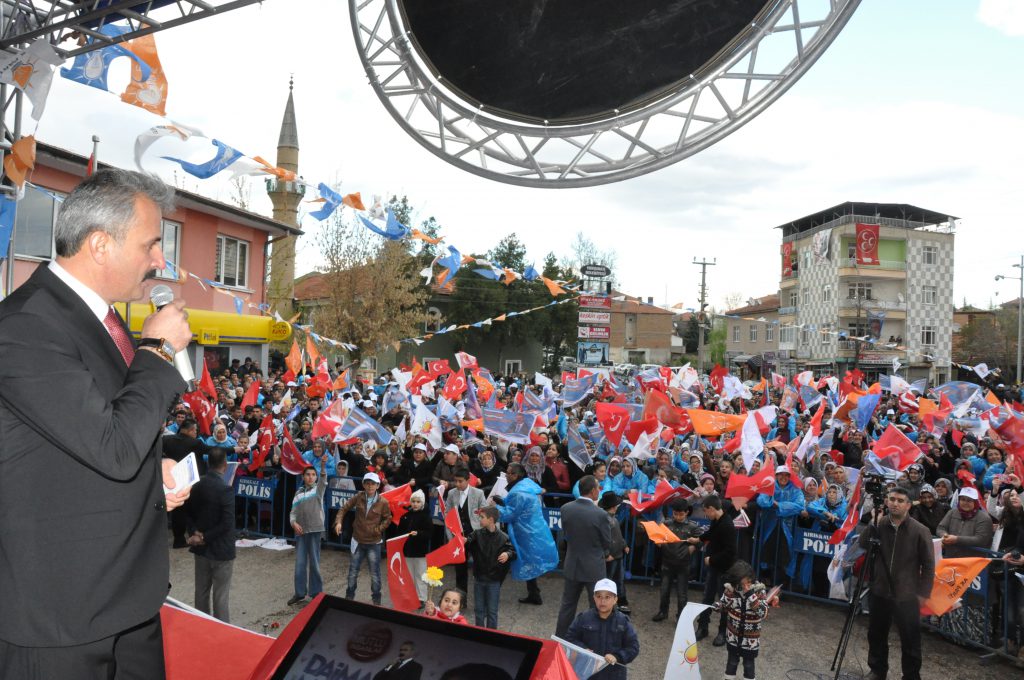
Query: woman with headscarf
x=419 y=525
x=915 y=481
x=630 y=478
x=928 y=510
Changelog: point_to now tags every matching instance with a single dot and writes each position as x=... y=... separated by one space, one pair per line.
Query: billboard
x=594 y=332
x=596 y=317
x=595 y=302
x=592 y=353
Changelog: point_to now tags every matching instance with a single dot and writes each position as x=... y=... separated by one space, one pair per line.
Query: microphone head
x=161 y=295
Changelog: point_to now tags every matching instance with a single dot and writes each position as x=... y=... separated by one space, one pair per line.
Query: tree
x=691 y=334
x=585 y=251
x=716 y=342
x=990 y=338
x=374 y=293
x=510 y=252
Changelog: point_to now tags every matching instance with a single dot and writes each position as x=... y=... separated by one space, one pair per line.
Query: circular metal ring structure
x=730 y=90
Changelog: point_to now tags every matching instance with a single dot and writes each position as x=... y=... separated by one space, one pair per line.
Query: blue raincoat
x=791 y=504
x=522 y=513
x=817 y=510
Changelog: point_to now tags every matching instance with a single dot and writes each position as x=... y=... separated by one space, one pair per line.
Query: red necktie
x=116 y=329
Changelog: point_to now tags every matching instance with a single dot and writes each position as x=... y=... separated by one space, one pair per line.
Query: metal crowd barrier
x=983 y=622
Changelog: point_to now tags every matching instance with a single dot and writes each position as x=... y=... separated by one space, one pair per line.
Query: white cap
x=368 y=404
x=969 y=492
x=451 y=447
x=890 y=412
x=783 y=470
x=607 y=585
x=419 y=447
x=371 y=477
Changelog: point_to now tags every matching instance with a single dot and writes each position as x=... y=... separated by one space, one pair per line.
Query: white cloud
x=1006 y=16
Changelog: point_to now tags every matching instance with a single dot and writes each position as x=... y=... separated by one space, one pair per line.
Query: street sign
x=595 y=271
x=595 y=302
x=594 y=333
x=596 y=317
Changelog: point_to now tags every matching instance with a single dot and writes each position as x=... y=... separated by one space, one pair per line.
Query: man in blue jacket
x=607 y=632
x=522 y=513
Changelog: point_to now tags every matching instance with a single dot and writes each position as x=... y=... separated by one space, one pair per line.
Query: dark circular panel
x=572 y=60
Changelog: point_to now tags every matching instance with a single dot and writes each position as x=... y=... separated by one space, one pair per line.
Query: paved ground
x=799 y=639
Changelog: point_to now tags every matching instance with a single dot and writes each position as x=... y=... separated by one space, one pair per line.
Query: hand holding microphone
x=170 y=322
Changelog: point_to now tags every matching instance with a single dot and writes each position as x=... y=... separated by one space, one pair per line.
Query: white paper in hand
x=185 y=473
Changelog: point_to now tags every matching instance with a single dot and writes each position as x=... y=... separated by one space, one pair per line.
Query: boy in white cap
x=606 y=631
x=372 y=517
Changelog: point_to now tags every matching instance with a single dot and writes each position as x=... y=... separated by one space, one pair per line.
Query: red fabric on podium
x=276 y=653
x=198 y=647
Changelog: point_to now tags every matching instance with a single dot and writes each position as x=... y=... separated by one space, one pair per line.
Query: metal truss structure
x=741 y=82
x=69 y=25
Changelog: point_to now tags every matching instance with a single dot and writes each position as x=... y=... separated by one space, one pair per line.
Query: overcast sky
x=917 y=101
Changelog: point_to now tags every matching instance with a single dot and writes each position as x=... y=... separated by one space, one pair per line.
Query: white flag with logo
x=683 y=663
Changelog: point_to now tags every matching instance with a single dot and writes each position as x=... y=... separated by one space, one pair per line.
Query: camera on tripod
x=874 y=486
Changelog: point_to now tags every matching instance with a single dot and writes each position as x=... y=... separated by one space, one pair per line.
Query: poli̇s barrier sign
x=255 y=488
x=814 y=543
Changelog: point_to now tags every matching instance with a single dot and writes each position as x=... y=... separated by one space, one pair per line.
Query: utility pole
x=701 y=316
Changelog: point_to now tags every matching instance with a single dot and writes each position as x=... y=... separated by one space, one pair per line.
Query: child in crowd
x=492 y=553
x=746 y=605
x=606 y=631
x=418 y=524
x=449 y=608
x=676 y=558
x=307 y=519
x=610 y=502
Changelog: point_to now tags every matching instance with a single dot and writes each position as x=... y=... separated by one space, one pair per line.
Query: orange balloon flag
x=294 y=359
x=714 y=423
x=952 y=579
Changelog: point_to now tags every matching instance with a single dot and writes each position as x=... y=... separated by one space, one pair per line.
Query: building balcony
x=894 y=309
x=790 y=281
x=846 y=348
x=277 y=185
x=787 y=311
x=885 y=269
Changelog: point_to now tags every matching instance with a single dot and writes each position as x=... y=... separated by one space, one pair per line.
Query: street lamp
x=1020 y=312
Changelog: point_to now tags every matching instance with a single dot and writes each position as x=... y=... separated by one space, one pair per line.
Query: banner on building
x=867 y=244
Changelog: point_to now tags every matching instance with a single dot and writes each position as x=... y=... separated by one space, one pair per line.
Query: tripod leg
x=858 y=593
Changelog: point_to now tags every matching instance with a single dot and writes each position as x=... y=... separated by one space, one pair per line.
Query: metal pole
x=704 y=264
x=1020 y=318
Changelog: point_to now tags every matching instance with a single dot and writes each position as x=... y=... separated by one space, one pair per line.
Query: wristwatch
x=162 y=347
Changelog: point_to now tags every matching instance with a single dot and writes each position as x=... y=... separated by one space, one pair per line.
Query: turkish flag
x=717 y=377
x=438 y=368
x=418 y=380
x=658 y=405
x=466 y=360
x=663 y=493
x=742 y=486
x=401 y=587
x=852 y=517
x=294 y=359
x=202 y=409
x=398 y=501
x=867 y=244
x=323 y=375
x=251 y=395
x=291 y=459
x=897 y=447
x=793 y=476
x=635 y=428
x=613 y=420
x=567 y=376
x=787 y=259
x=328 y=422
x=206 y=382
x=264 y=440
x=455 y=386
x=454 y=551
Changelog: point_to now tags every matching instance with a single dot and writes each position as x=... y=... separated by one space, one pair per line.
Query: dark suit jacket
x=211 y=510
x=410 y=671
x=82 y=516
x=587 y=537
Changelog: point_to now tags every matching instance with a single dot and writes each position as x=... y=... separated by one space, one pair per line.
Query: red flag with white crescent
x=401 y=586
x=867 y=244
x=291 y=459
x=454 y=551
x=742 y=486
x=852 y=517
x=265 y=440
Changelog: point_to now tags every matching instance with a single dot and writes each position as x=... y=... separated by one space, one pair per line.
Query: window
x=232 y=262
x=826 y=335
x=930 y=294
x=432 y=324
x=169 y=244
x=33 y=235
x=769 y=333
x=786 y=334
x=826 y=293
x=513 y=366
x=931 y=255
x=858 y=329
x=859 y=290
x=851 y=250
x=807 y=297
x=753 y=332
x=793 y=299
x=369 y=364
x=805 y=336
x=928 y=336
x=735 y=333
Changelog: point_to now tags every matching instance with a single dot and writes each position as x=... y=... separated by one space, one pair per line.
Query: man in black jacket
x=588 y=537
x=719 y=555
x=211 y=522
x=905 y=545
x=405 y=667
x=176 y=447
x=492 y=553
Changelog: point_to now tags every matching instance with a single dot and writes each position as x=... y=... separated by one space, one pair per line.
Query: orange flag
x=342 y=381
x=926 y=406
x=761 y=386
x=294 y=359
x=354 y=201
x=553 y=287
x=312 y=351
x=475 y=424
x=509 y=277
x=952 y=579
x=713 y=423
x=659 y=533
x=20 y=160
x=417 y=234
x=148 y=94
x=992 y=399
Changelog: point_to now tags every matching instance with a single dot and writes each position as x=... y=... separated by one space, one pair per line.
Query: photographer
x=901 y=576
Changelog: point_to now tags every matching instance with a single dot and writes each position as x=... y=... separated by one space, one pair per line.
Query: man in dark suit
x=211 y=525
x=402 y=668
x=176 y=447
x=82 y=511
x=588 y=537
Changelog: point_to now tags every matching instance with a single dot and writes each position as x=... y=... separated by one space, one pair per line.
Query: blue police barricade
x=258 y=503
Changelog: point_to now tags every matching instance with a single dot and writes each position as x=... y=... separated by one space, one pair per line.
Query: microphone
x=161 y=296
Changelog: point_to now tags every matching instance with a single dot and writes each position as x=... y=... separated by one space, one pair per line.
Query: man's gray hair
x=106 y=202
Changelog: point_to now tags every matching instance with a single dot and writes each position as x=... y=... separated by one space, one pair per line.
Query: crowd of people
x=962 y=488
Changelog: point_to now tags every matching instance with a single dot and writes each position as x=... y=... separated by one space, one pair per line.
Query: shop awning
x=217 y=328
x=742 y=358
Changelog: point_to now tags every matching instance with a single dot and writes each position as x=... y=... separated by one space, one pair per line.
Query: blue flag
x=509 y=425
x=452 y=261
x=358 y=424
x=531 y=274
x=393 y=229
x=7 y=210
x=578 y=450
x=575 y=391
x=92 y=67
x=492 y=274
x=225 y=156
x=957 y=391
x=471 y=402
x=866 y=405
x=332 y=200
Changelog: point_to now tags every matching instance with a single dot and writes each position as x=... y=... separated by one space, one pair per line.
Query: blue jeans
x=307 y=564
x=370 y=553
x=486 y=595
